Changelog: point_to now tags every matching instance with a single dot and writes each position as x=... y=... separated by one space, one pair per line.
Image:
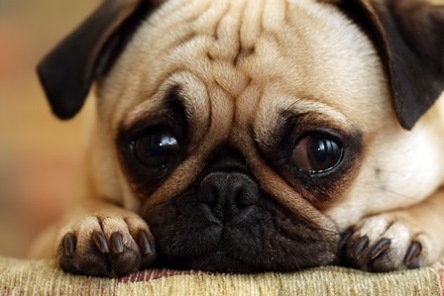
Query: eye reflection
x=316 y=153
x=158 y=147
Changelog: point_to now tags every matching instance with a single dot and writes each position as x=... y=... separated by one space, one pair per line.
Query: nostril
x=207 y=193
x=212 y=188
x=243 y=189
x=246 y=197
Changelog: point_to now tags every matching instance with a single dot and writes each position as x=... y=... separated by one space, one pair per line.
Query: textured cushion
x=43 y=277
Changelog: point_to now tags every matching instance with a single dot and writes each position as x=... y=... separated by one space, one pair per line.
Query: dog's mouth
x=261 y=237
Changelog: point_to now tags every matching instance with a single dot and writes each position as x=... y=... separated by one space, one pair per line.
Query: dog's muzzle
x=226 y=222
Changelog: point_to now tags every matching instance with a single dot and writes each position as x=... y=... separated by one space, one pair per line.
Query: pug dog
x=255 y=135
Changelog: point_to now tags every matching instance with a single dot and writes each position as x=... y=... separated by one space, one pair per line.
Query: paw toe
x=387 y=246
x=111 y=249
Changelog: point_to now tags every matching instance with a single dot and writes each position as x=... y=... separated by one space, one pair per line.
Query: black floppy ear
x=69 y=70
x=409 y=36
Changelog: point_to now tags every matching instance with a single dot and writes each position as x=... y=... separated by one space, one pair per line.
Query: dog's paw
x=109 y=246
x=386 y=243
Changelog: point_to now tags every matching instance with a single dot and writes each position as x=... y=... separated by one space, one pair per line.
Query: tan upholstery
x=43 y=277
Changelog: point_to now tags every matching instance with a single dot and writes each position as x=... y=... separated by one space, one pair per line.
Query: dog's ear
x=409 y=37
x=69 y=70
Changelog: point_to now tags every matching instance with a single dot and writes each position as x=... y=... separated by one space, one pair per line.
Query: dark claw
x=344 y=239
x=412 y=253
x=117 y=243
x=100 y=241
x=359 y=247
x=380 y=247
x=143 y=241
x=69 y=244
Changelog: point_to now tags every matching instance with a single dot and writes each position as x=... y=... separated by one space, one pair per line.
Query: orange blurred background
x=40 y=156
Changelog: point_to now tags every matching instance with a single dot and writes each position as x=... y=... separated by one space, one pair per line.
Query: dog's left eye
x=156 y=148
x=316 y=153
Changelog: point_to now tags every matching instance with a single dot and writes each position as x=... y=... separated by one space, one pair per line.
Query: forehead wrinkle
x=233 y=38
x=228 y=21
x=233 y=79
x=274 y=15
x=225 y=47
x=175 y=13
x=246 y=109
x=142 y=109
x=192 y=92
x=310 y=104
x=251 y=27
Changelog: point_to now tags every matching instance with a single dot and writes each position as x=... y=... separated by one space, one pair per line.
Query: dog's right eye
x=157 y=148
x=316 y=153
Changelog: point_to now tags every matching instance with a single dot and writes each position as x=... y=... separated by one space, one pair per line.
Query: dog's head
x=249 y=134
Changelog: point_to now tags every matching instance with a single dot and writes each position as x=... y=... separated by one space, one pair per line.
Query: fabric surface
x=43 y=277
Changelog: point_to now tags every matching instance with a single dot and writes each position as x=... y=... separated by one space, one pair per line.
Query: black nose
x=228 y=196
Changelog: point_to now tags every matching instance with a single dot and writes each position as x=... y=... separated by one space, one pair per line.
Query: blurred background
x=40 y=156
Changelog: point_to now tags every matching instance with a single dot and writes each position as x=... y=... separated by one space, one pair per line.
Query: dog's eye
x=156 y=148
x=315 y=153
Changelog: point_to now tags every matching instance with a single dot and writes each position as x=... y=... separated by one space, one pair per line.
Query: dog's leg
x=408 y=238
x=102 y=239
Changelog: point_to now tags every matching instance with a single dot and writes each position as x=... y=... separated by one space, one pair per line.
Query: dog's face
x=250 y=134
